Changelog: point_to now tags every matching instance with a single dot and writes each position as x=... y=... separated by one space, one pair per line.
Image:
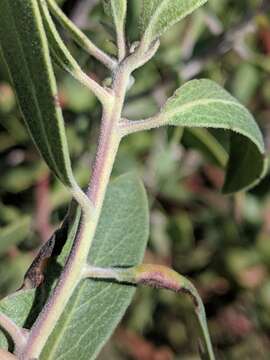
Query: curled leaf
x=161 y=277
x=203 y=103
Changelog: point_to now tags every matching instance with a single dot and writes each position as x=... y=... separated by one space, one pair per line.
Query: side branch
x=82 y=199
x=80 y=37
x=18 y=334
x=127 y=127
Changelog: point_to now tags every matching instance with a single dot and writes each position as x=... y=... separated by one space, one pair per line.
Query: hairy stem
x=109 y=140
x=102 y=94
x=107 y=149
x=127 y=127
x=121 y=43
x=64 y=59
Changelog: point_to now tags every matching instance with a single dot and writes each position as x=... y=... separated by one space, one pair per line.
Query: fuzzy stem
x=127 y=127
x=107 y=148
x=81 y=198
x=18 y=334
x=80 y=37
x=121 y=43
x=108 y=144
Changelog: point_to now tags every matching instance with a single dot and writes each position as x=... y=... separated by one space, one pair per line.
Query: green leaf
x=61 y=54
x=97 y=306
x=203 y=103
x=162 y=277
x=24 y=47
x=14 y=233
x=117 y=9
x=160 y=15
x=79 y=37
x=58 y=49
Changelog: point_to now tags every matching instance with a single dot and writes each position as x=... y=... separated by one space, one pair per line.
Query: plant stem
x=121 y=43
x=102 y=94
x=107 y=149
x=131 y=126
x=72 y=274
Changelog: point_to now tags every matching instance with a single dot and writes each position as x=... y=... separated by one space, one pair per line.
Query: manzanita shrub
x=70 y=314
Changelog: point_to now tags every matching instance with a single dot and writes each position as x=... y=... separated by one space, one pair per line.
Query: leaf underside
x=203 y=103
x=159 y=15
x=116 y=9
x=25 y=50
x=97 y=306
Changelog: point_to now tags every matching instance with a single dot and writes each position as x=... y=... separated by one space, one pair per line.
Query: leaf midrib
x=74 y=345
x=204 y=102
x=157 y=14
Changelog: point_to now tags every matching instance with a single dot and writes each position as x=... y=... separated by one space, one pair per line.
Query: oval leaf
x=159 y=15
x=203 y=103
x=97 y=306
x=24 y=47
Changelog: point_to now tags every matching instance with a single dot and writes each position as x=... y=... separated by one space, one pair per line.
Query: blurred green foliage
x=221 y=242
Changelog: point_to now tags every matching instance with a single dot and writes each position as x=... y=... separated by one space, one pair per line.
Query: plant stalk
x=121 y=43
x=73 y=271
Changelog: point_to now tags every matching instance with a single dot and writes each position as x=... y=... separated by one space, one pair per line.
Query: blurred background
x=221 y=242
